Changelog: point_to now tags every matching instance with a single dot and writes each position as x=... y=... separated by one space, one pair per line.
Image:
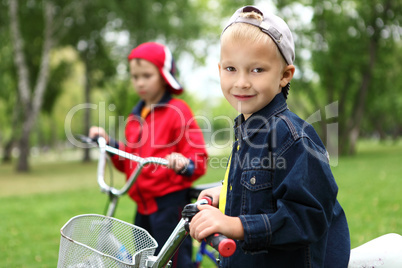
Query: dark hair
x=285 y=90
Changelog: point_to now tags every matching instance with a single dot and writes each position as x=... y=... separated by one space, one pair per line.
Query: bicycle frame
x=384 y=249
x=173 y=243
x=181 y=231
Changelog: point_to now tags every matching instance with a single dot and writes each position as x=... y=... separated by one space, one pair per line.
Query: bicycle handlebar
x=103 y=148
x=225 y=246
x=133 y=177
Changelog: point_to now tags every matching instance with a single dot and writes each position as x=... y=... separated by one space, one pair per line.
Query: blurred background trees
x=352 y=51
x=55 y=55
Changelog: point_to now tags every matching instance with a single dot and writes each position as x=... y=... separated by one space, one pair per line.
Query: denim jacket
x=281 y=187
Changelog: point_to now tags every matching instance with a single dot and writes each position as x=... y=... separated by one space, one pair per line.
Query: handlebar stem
x=175 y=239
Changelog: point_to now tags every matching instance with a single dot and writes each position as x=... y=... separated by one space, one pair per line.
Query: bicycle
x=130 y=246
x=114 y=243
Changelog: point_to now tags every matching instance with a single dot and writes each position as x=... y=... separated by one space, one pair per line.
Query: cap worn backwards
x=162 y=58
x=272 y=25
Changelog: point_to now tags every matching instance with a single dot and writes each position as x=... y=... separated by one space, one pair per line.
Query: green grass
x=370 y=190
x=33 y=207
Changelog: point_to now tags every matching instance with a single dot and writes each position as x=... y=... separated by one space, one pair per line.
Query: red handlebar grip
x=225 y=246
x=209 y=199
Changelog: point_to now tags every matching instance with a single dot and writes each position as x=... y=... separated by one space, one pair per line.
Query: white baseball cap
x=272 y=25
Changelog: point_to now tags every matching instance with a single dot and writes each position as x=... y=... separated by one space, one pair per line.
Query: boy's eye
x=143 y=76
x=230 y=69
x=257 y=70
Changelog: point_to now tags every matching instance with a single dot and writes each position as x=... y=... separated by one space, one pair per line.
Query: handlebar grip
x=209 y=199
x=86 y=139
x=225 y=246
x=95 y=138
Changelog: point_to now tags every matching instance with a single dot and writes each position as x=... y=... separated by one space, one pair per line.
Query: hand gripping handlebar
x=225 y=246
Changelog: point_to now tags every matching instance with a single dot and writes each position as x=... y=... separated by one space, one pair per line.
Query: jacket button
x=253 y=180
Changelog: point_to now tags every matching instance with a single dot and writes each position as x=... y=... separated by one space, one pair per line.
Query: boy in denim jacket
x=278 y=199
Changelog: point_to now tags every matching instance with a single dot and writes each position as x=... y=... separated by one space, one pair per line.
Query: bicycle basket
x=99 y=241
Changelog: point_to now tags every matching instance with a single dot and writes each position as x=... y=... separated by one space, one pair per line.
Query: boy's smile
x=251 y=74
x=243 y=97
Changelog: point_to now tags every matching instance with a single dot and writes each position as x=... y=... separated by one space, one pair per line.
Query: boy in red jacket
x=160 y=126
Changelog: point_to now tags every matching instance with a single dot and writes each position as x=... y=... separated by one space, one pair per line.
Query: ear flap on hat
x=168 y=72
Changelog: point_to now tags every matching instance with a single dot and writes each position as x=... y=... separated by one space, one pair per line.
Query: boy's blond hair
x=247 y=32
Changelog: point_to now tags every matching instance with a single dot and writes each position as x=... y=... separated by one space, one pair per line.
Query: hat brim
x=173 y=85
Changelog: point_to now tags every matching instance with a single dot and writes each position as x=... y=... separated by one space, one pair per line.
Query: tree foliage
x=348 y=52
x=96 y=30
x=354 y=47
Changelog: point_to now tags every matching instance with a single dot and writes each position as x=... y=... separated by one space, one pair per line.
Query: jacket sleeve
x=117 y=161
x=191 y=143
x=304 y=193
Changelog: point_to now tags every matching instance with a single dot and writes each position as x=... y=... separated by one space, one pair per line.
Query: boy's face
x=251 y=74
x=147 y=81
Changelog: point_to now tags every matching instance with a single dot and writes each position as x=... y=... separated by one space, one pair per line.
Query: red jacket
x=169 y=127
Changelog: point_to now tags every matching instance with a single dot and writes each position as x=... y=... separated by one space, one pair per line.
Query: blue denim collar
x=138 y=108
x=247 y=128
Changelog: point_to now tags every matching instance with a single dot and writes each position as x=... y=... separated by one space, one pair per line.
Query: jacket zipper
x=139 y=153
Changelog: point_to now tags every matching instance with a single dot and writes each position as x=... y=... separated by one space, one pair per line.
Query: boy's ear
x=219 y=67
x=287 y=75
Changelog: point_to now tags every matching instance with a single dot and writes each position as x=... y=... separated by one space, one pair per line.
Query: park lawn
x=370 y=190
x=35 y=206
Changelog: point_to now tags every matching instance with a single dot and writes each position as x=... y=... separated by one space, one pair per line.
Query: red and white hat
x=162 y=58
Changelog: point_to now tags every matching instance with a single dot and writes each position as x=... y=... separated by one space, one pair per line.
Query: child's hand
x=98 y=131
x=211 y=192
x=211 y=220
x=177 y=161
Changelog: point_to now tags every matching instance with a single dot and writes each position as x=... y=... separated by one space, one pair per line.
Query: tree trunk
x=24 y=148
x=31 y=103
x=87 y=115
x=15 y=124
x=8 y=148
x=353 y=125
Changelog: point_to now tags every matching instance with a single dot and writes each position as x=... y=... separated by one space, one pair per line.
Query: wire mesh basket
x=99 y=241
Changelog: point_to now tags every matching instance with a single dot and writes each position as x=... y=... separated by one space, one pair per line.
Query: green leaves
x=355 y=48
